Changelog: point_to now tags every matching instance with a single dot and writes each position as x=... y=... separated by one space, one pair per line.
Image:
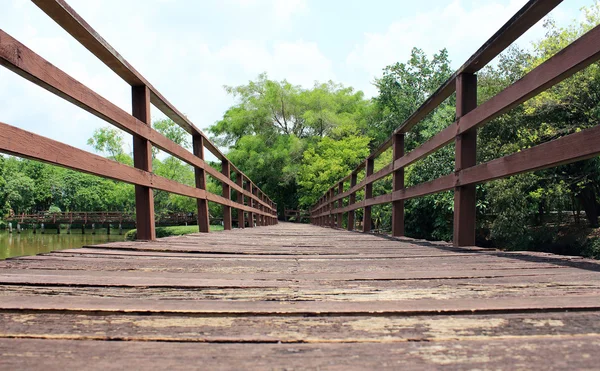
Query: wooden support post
x=68 y=228
x=200 y=174
x=260 y=217
x=368 y=194
x=10 y=227
x=466 y=156
x=42 y=228
x=142 y=159
x=398 y=184
x=226 y=170
x=240 y=200
x=108 y=229
x=351 y=201
x=340 y=216
x=251 y=204
x=331 y=207
x=57 y=228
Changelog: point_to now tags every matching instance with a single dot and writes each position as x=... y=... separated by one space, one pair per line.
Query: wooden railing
x=330 y=208
x=298 y=215
x=251 y=203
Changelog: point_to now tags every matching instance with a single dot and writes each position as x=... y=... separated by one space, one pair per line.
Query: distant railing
x=252 y=205
x=298 y=215
x=330 y=208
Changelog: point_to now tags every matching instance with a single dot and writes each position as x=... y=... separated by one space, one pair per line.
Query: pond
x=28 y=243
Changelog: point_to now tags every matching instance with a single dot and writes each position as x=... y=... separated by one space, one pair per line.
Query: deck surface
x=296 y=296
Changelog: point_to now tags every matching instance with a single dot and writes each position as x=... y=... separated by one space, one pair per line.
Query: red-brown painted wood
x=240 y=200
x=465 y=197
x=398 y=184
x=200 y=175
x=226 y=170
x=351 y=202
x=142 y=159
x=368 y=194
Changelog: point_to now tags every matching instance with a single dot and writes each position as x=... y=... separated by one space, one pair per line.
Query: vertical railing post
x=142 y=159
x=398 y=184
x=257 y=216
x=250 y=203
x=318 y=218
x=260 y=217
x=200 y=175
x=351 y=201
x=240 y=200
x=326 y=210
x=368 y=194
x=331 y=207
x=466 y=156
x=226 y=170
x=340 y=215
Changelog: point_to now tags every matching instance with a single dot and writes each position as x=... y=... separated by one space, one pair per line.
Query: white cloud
x=457 y=27
x=285 y=9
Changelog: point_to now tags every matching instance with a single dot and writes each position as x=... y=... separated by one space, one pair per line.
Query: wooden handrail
x=26 y=63
x=574 y=147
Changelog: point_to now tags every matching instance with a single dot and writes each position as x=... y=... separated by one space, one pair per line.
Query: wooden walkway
x=295 y=296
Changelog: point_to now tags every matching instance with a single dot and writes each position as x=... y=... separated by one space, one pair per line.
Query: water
x=27 y=243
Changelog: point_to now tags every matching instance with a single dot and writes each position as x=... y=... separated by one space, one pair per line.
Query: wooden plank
x=397 y=185
x=528 y=15
x=21 y=60
x=318 y=329
x=226 y=170
x=142 y=159
x=351 y=202
x=200 y=179
x=240 y=200
x=523 y=353
x=286 y=308
x=573 y=147
x=368 y=194
x=465 y=197
x=572 y=59
x=77 y=27
x=22 y=143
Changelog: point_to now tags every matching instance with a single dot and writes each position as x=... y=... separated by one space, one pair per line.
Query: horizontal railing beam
x=77 y=27
x=21 y=60
x=522 y=21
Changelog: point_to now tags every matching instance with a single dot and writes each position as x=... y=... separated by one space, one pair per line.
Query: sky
x=190 y=49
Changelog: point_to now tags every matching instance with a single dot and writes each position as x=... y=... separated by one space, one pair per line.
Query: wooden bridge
x=296 y=296
x=292 y=295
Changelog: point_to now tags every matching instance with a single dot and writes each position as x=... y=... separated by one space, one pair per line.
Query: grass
x=173 y=231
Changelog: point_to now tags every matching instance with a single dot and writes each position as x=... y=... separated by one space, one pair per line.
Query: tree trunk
x=587 y=197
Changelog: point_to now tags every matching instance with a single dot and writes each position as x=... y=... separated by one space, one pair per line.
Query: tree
x=19 y=191
x=274 y=122
x=403 y=88
x=327 y=162
x=109 y=140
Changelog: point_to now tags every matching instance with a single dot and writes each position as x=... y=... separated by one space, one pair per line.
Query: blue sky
x=189 y=49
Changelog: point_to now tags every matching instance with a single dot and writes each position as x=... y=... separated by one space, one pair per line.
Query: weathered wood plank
x=526 y=353
x=296 y=284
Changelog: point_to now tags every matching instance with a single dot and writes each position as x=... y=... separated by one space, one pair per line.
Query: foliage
x=109 y=140
x=275 y=122
x=327 y=162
